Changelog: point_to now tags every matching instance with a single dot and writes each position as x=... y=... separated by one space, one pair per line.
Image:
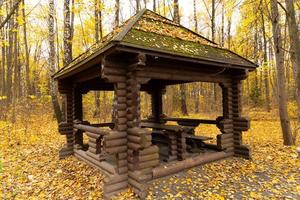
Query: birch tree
x=279 y=56
x=52 y=61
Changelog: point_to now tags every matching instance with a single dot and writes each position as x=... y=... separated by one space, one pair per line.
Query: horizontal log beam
x=163 y=170
x=91 y=129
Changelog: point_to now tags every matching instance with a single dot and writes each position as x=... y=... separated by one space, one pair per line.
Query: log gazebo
x=147 y=53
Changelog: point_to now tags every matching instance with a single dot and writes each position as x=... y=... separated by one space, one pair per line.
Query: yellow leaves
x=20 y=20
x=2 y=12
x=217 y=197
x=3 y=97
x=6 y=44
x=255 y=195
x=30 y=167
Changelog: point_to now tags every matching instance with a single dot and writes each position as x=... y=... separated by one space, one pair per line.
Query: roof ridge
x=128 y=27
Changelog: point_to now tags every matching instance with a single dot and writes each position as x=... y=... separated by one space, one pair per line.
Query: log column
x=116 y=144
x=142 y=155
x=225 y=123
x=239 y=123
x=77 y=116
x=66 y=128
x=157 y=103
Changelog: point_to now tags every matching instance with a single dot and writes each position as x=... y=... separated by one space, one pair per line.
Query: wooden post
x=77 y=115
x=142 y=155
x=66 y=128
x=239 y=123
x=157 y=103
x=225 y=123
x=116 y=143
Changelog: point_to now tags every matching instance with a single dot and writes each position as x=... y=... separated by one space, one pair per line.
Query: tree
x=154 y=5
x=117 y=13
x=265 y=62
x=52 y=62
x=67 y=34
x=28 y=87
x=98 y=33
x=10 y=14
x=282 y=97
x=138 y=5
x=9 y=55
x=195 y=16
x=176 y=12
x=182 y=87
x=295 y=46
x=213 y=20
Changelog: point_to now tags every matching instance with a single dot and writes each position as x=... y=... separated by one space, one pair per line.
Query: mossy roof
x=151 y=31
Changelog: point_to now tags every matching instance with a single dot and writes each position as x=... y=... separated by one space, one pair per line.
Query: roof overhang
x=96 y=57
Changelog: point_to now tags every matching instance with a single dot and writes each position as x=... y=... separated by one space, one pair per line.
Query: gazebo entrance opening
x=175 y=137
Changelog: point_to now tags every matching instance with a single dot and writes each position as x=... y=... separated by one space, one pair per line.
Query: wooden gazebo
x=148 y=53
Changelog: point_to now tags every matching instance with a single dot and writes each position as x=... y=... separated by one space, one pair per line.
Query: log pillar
x=66 y=127
x=142 y=155
x=116 y=143
x=225 y=123
x=231 y=124
x=157 y=103
x=239 y=123
x=77 y=116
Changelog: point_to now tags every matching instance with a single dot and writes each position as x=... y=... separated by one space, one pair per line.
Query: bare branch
x=14 y=8
x=283 y=8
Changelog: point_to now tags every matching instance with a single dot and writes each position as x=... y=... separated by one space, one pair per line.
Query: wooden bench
x=195 y=143
x=176 y=136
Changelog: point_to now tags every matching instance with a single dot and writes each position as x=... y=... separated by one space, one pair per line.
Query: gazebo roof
x=150 y=31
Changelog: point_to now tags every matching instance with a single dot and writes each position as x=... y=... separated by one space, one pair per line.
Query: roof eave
x=78 y=66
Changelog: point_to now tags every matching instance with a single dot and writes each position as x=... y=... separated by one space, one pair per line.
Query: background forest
x=39 y=37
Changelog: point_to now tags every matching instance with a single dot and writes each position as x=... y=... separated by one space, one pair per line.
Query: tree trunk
x=195 y=16
x=282 y=97
x=52 y=62
x=3 y=60
x=295 y=47
x=98 y=33
x=9 y=64
x=138 y=6
x=229 y=33
x=154 y=5
x=222 y=28
x=176 y=12
x=67 y=34
x=182 y=87
x=17 y=84
x=213 y=17
x=27 y=69
x=117 y=13
x=265 y=64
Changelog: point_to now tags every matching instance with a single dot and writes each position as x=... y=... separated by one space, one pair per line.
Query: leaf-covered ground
x=30 y=168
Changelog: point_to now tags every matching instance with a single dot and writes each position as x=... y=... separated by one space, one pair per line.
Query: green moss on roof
x=166 y=29
x=149 y=30
x=179 y=47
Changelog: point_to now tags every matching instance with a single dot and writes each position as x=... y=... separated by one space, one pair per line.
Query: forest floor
x=30 y=168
